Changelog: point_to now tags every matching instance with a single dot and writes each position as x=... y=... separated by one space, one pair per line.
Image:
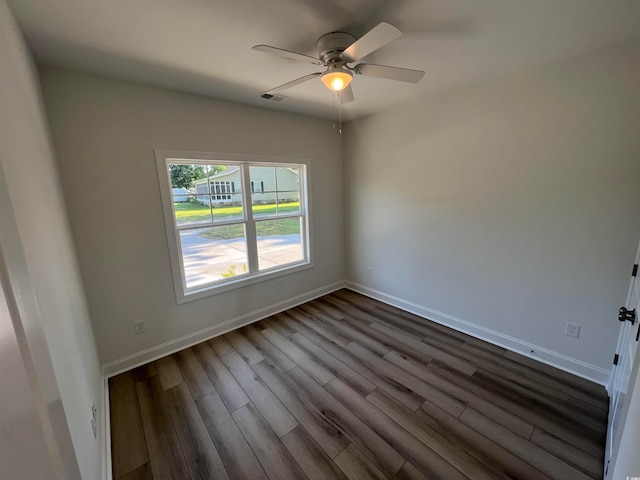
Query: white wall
x=52 y=325
x=507 y=208
x=105 y=132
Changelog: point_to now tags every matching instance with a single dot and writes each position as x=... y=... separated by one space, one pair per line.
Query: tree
x=215 y=169
x=183 y=176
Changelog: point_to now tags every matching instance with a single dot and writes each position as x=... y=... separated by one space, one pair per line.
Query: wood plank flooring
x=346 y=387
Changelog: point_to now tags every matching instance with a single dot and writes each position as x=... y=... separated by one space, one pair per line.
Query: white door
x=619 y=386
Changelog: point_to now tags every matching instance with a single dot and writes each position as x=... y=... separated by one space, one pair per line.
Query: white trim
x=192 y=157
x=243 y=162
x=245 y=281
x=555 y=359
x=107 y=474
x=131 y=361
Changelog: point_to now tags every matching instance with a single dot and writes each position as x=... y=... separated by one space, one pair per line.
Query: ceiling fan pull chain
x=340 y=111
x=333 y=110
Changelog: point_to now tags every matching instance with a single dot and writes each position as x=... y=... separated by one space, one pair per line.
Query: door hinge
x=634 y=271
x=615 y=359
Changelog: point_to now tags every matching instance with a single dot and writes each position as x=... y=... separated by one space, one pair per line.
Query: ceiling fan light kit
x=336 y=78
x=336 y=50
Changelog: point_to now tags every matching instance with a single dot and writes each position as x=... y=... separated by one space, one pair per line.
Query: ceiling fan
x=336 y=50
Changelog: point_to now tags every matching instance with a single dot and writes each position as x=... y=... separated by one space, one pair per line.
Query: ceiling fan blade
x=346 y=95
x=293 y=83
x=375 y=38
x=286 y=54
x=392 y=73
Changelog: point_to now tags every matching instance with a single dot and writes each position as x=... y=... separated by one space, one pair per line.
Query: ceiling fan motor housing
x=331 y=45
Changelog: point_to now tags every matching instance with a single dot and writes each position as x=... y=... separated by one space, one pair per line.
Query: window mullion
x=250 y=229
x=207 y=170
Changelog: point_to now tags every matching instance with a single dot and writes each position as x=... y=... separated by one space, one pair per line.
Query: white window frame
x=184 y=294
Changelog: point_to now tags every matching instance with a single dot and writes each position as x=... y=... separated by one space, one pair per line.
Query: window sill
x=211 y=290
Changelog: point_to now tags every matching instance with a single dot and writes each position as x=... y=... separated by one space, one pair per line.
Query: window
x=221 y=187
x=232 y=220
x=257 y=187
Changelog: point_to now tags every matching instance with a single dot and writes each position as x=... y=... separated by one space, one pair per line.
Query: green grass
x=189 y=212
x=284 y=226
x=226 y=232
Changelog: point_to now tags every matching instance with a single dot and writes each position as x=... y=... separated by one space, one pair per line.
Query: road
x=205 y=260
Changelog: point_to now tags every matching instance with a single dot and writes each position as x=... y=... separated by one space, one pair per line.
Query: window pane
x=190 y=209
x=225 y=187
x=279 y=242
x=227 y=207
x=213 y=254
x=288 y=203
x=263 y=187
x=288 y=178
x=190 y=204
x=275 y=191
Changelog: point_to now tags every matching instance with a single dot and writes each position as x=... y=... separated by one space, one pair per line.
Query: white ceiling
x=205 y=46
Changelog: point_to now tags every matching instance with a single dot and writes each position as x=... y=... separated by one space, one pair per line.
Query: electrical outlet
x=280 y=284
x=572 y=330
x=139 y=327
x=370 y=271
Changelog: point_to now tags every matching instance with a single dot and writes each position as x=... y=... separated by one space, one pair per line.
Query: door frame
x=626 y=335
x=27 y=332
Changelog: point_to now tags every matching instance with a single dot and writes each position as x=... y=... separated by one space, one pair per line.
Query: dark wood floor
x=347 y=387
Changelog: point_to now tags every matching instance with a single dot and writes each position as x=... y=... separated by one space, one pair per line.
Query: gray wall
x=507 y=208
x=105 y=132
x=50 y=318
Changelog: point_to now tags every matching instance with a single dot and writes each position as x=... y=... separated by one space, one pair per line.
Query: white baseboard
x=140 y=358
x=555 y=359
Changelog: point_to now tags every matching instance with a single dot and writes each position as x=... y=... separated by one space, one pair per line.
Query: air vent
x=274 y=98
